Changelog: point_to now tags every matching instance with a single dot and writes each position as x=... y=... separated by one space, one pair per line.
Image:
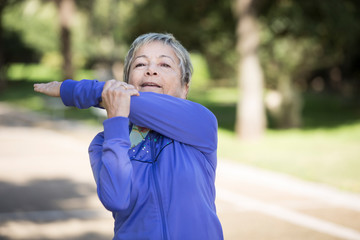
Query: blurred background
x=282 y=76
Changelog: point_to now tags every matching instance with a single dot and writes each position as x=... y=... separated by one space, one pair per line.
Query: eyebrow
x=161 y=56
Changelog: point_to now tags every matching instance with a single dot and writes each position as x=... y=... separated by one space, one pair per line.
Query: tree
x=250 y=118
x=66 y=9
x=301 y=39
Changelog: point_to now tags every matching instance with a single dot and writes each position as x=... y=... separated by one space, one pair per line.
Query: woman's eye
x=139 y=65
x=165 y=65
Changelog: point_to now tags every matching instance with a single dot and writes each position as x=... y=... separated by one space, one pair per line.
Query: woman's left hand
x=116 y=98
x=51 y=89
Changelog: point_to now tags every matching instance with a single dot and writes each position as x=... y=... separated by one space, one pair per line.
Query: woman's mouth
x=150 y=85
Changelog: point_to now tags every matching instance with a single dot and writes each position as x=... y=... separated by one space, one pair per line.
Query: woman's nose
x=151 y=71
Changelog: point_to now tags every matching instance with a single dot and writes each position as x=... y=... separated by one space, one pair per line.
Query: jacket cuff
x=67 y=92
x=116 y=127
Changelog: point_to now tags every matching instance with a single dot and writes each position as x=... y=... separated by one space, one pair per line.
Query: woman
x=154 y=163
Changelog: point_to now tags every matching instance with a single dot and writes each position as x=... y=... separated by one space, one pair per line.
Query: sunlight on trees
x=301 y=46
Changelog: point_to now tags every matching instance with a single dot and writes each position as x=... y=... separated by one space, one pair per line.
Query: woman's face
x=155 y=68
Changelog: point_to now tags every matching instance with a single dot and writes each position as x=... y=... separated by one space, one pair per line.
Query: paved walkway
x=47 y=191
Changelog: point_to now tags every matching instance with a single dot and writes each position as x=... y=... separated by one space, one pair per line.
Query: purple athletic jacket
x=163 y=188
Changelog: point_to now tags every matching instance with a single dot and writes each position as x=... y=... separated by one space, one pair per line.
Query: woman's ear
x=186 y=90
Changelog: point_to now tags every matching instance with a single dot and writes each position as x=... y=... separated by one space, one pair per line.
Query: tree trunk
x=250 y=119
x=291 y=104
x=66 y=12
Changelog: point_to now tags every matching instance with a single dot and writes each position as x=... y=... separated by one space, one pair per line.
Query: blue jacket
x=163 y=188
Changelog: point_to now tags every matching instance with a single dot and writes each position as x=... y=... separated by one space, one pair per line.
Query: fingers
x=108 y=84
x=116 y=98
x=38 y=87
x=130 y=89
x=50 y=89
x=133 y=92
x=113 y=85
x=41 y=88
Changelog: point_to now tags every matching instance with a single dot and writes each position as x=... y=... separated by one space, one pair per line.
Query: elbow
x=116 y=199
x=213 y=134
x=115 y=203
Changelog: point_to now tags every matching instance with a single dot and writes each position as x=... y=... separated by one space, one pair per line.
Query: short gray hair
x=168 y=39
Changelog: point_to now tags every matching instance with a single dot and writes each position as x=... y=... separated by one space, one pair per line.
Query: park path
x=47 y=191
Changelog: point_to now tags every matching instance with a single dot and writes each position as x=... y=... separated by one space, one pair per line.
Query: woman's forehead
x=156 y=49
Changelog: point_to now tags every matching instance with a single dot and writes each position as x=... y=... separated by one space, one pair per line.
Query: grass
x=325 y=150
x=329 y=156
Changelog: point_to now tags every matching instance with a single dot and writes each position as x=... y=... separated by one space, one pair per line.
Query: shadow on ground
x=42 y=201
x=42 y=195
x=86 y=236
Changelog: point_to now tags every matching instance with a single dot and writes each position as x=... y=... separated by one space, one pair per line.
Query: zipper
x=157 y=189
x=162 y=213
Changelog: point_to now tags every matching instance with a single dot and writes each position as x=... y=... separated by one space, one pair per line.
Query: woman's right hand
x=116 y=98
x=51 y=89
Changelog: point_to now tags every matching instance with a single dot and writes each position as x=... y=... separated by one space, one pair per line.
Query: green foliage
x=33 y=72
x=300 y=37
x=36 y=22
x=287 y=57
x=97 y=30
x=102 y=24
x=42 y=73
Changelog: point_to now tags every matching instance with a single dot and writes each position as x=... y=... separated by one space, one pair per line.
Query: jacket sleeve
x=81 y=94
x=111 y=165
x=179 y=119
x=182 y=120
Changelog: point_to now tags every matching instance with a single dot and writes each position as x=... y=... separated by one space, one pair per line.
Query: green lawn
x=325 y=150
x=330 y=156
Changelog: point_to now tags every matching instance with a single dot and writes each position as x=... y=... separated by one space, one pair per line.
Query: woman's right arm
x=108 y=151
x=80 y=94
x=111 y=165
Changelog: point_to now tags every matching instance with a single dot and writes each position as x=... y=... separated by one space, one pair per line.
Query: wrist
x=67 y=91
x=119 y=113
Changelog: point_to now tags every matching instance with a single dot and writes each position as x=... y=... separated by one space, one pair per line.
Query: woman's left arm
x=179 y=119
x=182 y=120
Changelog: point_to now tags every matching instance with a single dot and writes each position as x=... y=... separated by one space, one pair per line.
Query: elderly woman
x=154 y=164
